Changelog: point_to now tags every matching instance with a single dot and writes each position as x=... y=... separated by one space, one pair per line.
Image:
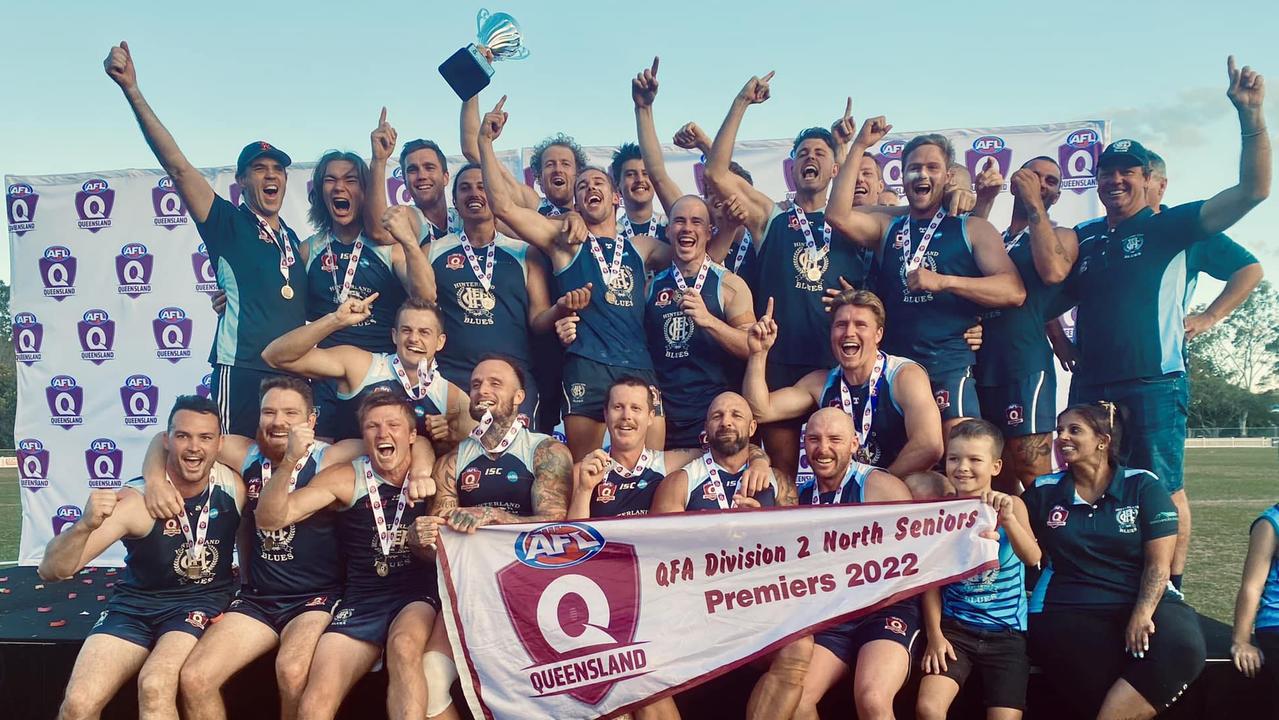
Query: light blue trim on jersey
x=229 y=321
x=380 y=370
x=453 y=243
x=963 y=232
x=895 y=364
x=1050 y=478
x=1172 y=315
x=1268 y=610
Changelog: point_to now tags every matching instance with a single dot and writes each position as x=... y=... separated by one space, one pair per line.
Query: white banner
x=590 y=619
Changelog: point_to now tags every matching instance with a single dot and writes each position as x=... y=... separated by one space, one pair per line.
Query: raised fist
x=301 y=438
x=1247 y=87
x=99 y=507
x=119 y=66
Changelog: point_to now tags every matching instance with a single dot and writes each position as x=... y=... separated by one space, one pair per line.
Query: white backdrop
x=112 y=319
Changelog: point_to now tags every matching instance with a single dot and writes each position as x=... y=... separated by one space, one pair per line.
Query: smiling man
x=255 y=255
x=631 y=179
x=426 y=175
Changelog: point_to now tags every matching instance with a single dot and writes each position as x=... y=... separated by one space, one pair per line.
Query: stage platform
x=43 y=624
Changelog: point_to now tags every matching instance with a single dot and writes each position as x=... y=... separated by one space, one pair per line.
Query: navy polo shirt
x=1097 y=551
x=1219 y=256
x=248 y=270
x=1130 y=285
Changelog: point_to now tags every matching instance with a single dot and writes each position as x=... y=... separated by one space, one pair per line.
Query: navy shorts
x=1154 y=438
x=367 y=614
x=997 y=655
x=898 y=623
x=325 y=392
x=956 y=394
x=586 y=384
x=1025 y=406
x=144 y=627
x=684 y=432
x=235 y=389
x=277 y=611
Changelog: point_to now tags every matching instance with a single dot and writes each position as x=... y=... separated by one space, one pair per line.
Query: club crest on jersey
x=895 y=625
x=621 y=289
x=1015 y=415
x=329 y=262
x=810 y=268
x=476 y=302
x=1127 y=518
x=1132 y=245
x=1057 y=517
x=197 y=619
x=208 y=561
x=341 y=616
x=606 y=492
x=943 y=399
x=470 y=480
x=455 y=261
x=278 y=544
x=677 y=330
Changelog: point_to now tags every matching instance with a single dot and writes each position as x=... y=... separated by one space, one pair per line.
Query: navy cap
x=1127 y=153
x=257 y=149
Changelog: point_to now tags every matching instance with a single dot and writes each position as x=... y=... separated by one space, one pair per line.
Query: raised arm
x=865 y=229
x=1247 y=93
x=924 y=444
x=411 y=266
x=296 y=351
x=1053 y=249
x=643 y=92
x=109 y=515
x=725 y=182
x=531 y=227
x=383 y=140
x=783 y=403
x=587 y=475
x=278 y=507
x=671 y=494
x=524 y=195
x=999 y=285
x=194 y=188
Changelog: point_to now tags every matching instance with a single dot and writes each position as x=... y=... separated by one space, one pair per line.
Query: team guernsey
x=927 y=327
x=429 y=232
x=504 y=482
x=654 y=226
x=797 y=278
x=327 y=263
x=887 y=434
x=1130 y=283
x=381 y=377
x=1015 y=376
x=295 y=563
x=851 y=490
x=481 y=315
x=703 y=493
x=994 y=599
x=689 y=363
x=627 y=492
x=1268 y=612
x=247 y=268
x=614 y=320
x=166 y=586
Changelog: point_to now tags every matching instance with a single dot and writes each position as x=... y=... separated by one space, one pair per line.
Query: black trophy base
x=467 y=72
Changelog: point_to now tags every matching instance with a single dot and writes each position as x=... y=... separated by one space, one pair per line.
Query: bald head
x=830 y=441
x=688 y=228
x=729 y=424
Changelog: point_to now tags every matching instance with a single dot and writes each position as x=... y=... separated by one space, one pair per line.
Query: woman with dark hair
x=1109 y=628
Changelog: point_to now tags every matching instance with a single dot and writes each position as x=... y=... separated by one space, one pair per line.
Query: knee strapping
x=440 y=672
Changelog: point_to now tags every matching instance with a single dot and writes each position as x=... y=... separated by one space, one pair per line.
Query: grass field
x=1228 y=488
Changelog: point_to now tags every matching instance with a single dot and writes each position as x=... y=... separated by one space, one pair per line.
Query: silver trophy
x=470 y=69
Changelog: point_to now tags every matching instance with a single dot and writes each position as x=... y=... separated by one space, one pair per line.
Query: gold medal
x=814 y=272
x=286 y=292
x=268 y=544
x=194 y=570
x=381 y=567
x=611 y=297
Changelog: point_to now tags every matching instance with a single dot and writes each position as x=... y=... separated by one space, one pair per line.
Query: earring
x=1101 y=446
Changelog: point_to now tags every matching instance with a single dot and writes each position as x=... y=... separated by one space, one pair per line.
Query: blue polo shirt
x=1268 y=613
x=1130 y=285
x=1219 y=256
x=1097 y=551
x=248 y=270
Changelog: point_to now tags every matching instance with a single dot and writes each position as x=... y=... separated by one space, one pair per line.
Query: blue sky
x=313 y=76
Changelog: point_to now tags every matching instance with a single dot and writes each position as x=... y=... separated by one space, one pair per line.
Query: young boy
x=980 y=623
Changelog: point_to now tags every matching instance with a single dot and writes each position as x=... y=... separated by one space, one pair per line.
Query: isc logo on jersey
x=988 y=150
x=20 y=203
x=103 y=460
x=33 y=464
x=57 y=272
x=97 y=336
x=28 y=336
x=93 y=204
x=133 y=270
x=169 y=211
x=172 y=330
x=1078 y=156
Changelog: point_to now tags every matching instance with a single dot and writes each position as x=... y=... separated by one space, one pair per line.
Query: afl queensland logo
x=33 y=464
x=66 y=399
x=133 y=270
x=397 y=189
x=93 y=204
x=20 y=204
x=28 y=336
x=64 y=517
x=169 y=211
x=172 y=329
x=558 y=546
x=103 y=461
x=139 y=397
x=1057 y=517
x=1078 y=157
x=988 y=150
x=889 y=158
x=57 y=272
x=205 y=279
x=97 y=336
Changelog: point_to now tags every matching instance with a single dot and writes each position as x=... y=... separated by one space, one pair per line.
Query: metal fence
x=1229 y=432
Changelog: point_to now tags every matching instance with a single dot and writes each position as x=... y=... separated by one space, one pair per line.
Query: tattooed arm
x=552 y=479
x=787 y=493
x=1154 y=580
x=445 y=486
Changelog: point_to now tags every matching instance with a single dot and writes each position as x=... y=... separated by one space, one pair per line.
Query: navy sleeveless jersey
x=155 y=566
x=702 y=497
x=691 y=366
x=852 y=493
x=358 y=540
x=299 y=559
x=654 y=226
x=381 y=378
x=1013 y=341
x=926 y=327
x=479 y=321
x=326 y=263
x=993 y=600
x=797 y=283
x=247 y=270
x=887 y=422
x=504 y=482
x=614 y=320
x=617 y=495
x=429 y=233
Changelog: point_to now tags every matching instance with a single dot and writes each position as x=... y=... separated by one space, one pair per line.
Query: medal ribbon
x=717 y=485
x=640 y=466
x=425 y=377
x=485 y=276
x=384 y=534
x=1010 y=244
x=814 y=253
x=905 y=233
x=486 y=422
x=742 y=247
x=697 y=284
x=868 y=412
x=293 y=474
x=550 y=209
x=610 y=271
x=351 y=264
x=266 y=234
x=817 y=488
x=195 y=541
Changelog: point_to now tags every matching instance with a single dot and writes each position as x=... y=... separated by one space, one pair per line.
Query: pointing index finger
x=768 y=311
x=654 y=68
x=848 y=108
x=382 y=120
x=768 y=77
x=500 y=103
x=1230 y=67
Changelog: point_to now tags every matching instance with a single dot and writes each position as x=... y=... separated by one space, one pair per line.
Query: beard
x=729 y=443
